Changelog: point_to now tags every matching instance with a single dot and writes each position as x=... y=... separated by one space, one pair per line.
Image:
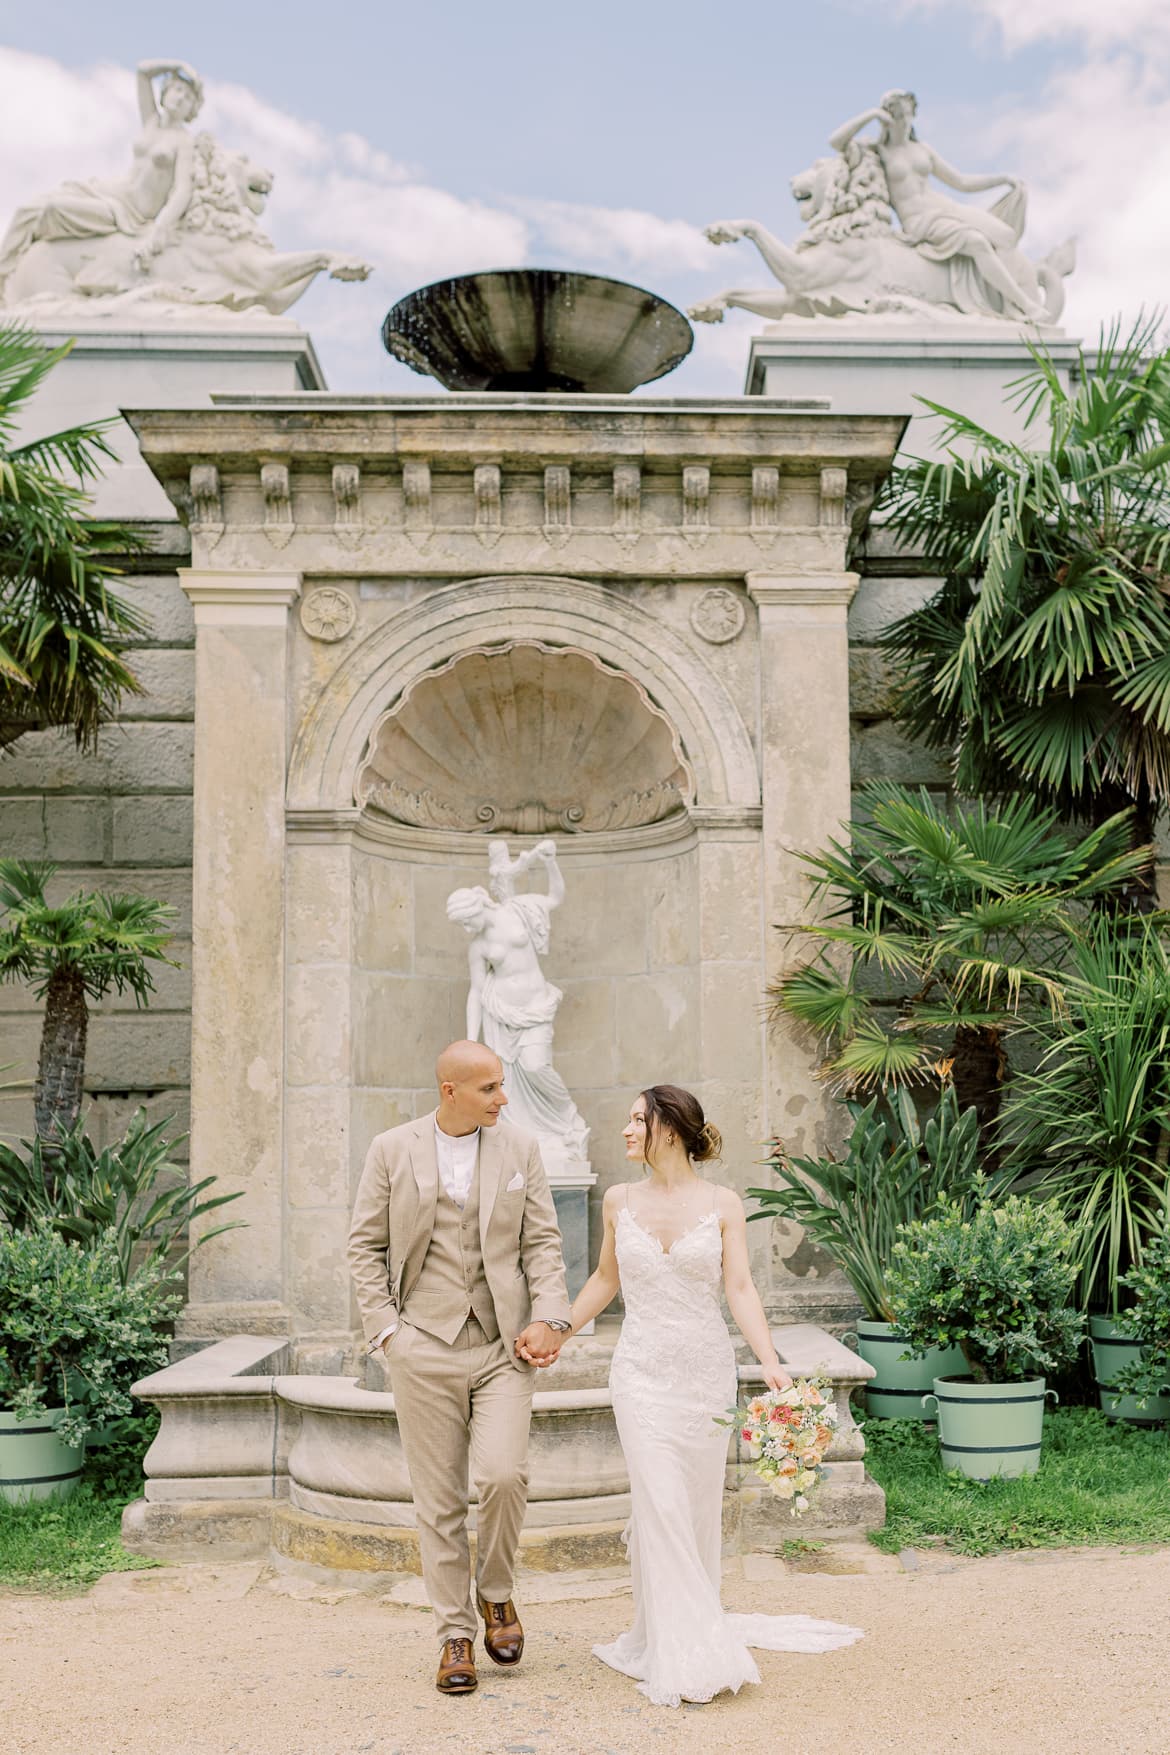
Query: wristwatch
x=557 y=1324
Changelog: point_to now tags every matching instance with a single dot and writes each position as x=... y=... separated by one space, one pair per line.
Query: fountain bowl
x=520 y=329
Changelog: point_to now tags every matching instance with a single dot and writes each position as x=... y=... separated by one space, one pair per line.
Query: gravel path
x=1051 y=1653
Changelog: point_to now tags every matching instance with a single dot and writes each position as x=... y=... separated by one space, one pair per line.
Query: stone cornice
x=384 y=431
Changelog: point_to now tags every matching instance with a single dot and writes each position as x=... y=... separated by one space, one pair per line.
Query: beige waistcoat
x=452 y=1284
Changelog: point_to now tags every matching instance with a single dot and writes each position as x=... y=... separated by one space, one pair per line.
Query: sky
x=433 y=140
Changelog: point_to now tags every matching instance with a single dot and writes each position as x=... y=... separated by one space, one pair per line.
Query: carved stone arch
x=333 y=737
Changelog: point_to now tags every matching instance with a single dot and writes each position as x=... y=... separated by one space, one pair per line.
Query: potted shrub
x=1141 y=1375
x=996 y=1282
x=894 y=1169
x=73 y=1338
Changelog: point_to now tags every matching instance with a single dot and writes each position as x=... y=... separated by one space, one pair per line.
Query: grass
x=59 y=1548
x=1099 y=1483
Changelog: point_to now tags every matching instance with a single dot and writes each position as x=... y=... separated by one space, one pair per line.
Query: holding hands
x=539 y=1344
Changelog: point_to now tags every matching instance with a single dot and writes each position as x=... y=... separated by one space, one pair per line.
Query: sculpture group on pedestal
x=511 y=1006
x=180 y=229
x=943 y=259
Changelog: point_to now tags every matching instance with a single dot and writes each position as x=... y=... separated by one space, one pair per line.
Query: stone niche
x=422 y=621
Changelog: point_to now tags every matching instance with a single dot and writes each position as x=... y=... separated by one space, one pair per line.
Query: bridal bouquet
x=787 y=1433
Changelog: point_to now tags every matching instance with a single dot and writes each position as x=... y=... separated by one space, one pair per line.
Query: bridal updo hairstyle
x=670 y=1109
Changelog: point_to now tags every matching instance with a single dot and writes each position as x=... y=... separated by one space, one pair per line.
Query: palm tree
x=91 y=943
x=1042 y=664
x=60 y=623
x=1090 y=1127
x=949 y=918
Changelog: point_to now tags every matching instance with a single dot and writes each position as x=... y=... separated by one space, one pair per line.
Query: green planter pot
x=1113 y=1348
x=896 y=1392
x=989 y=1429
x=34 y=1464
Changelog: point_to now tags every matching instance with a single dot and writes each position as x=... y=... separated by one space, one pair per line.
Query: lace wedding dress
x=673 y=1371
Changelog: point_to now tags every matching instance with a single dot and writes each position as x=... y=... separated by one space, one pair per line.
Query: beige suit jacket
x=394 y=1216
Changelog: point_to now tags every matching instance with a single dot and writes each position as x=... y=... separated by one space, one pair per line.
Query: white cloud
x=1098 y=24
x=621 y=237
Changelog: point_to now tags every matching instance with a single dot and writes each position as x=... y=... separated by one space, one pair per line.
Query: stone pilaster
x=804 y=699
x=237 y=1049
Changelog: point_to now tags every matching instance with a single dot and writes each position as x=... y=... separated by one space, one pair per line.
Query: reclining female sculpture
x=181 y=229
x=946 y=260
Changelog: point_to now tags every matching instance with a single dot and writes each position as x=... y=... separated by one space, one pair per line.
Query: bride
x=670 y=1241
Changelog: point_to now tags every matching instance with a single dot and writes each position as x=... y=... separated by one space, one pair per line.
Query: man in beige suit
x=456 y=1257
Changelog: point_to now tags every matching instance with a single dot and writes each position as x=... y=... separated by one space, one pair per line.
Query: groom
x=456 y=1257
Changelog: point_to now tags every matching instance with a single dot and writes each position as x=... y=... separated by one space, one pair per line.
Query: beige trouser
x=458 y=1403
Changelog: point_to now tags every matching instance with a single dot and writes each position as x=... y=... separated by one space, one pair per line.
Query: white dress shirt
x=457 y=1155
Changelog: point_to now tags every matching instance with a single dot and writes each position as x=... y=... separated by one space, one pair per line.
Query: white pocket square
x=516 y=1182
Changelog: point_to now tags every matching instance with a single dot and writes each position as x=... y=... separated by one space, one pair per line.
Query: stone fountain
x=611 y=629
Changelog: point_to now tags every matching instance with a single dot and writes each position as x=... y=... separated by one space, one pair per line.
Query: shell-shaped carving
x=524 y=738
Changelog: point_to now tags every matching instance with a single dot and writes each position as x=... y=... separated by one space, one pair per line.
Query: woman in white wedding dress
x=670 y=1242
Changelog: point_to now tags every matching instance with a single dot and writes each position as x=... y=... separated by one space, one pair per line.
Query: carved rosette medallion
x=328 y=613
x=718 y=616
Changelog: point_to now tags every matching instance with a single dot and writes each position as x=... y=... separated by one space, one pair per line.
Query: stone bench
x=250 y=1458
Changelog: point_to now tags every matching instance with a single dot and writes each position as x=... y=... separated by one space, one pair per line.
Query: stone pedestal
x=886 y=365
x=570 y=1191
x=138 y=365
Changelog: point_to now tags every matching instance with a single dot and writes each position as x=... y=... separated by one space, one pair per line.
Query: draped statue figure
x=510 y=1004
x=179 y=229
x=943 y=259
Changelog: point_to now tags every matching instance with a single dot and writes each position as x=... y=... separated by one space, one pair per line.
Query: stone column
x=237 y=1046
x=804 y=756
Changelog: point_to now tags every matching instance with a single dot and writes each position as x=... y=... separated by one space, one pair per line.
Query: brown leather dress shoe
x=503 y=1636
x=456 y=1668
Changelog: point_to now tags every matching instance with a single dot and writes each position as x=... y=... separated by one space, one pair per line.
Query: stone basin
x=251 y=1459
x=518 y=329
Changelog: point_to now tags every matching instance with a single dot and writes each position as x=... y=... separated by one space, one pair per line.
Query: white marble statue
x=180 y=229
x=943 y=259
x=511 y=1006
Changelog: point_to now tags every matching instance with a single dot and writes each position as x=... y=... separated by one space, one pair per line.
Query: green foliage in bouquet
x=896 y=1168
x=1148 y=1321
x=996 y=1283
x=72 y=1334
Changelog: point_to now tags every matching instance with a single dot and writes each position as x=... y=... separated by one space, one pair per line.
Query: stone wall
x=118 y=818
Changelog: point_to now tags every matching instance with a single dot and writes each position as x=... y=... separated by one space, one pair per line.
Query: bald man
x=456 y=1257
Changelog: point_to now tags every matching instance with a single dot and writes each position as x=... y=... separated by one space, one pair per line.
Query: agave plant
x=1090 y=1127
x=131 y=1192
x=895 y=1168
x=1042 y=664
x=942 y=925
x=90 y=944
x=60 y=622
